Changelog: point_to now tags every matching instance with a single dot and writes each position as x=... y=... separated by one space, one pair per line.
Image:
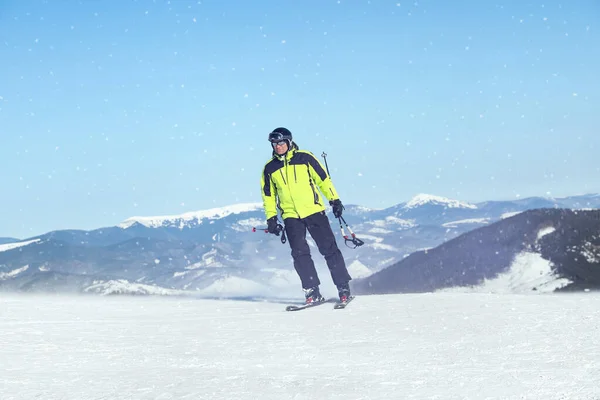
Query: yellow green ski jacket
x=291 y=183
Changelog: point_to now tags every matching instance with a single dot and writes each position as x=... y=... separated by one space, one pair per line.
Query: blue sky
x=115 y=109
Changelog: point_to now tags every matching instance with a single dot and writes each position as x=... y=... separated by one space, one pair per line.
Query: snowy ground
x=429 y=346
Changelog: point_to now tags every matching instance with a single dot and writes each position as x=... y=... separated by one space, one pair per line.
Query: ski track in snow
x=417 y=346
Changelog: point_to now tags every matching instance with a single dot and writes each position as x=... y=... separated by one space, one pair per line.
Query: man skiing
x=290 y=182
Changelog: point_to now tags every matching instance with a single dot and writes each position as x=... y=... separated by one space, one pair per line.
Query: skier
x=290 y=183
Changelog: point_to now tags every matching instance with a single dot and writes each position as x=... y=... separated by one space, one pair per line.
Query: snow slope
x=426 y=346
x=528 y=272
x=121 y=286
x=13 y=273
x=10 y=246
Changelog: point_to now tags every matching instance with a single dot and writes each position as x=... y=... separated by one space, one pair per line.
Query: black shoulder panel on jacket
x=270 y=168
x=273 y=166
x=302 y=157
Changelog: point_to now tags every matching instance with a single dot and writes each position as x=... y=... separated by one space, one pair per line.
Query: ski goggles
x=275 y=137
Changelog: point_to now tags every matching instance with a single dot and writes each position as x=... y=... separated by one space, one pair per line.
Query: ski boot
x=313 y=295
x=344 y=292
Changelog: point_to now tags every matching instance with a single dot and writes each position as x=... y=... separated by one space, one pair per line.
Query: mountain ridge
x=197 y=256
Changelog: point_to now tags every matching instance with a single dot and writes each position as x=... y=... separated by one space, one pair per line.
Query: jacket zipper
x=283 y=176
x=290 y=189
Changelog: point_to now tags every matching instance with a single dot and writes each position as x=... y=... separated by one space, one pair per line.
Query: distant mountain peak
x=212 y=213
x=422 y=199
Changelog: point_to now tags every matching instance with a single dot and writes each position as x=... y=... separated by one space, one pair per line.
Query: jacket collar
x=289 y=154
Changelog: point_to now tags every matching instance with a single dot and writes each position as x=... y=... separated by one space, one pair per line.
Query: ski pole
x=356 y=241
x=324 y=155
x=280 y=229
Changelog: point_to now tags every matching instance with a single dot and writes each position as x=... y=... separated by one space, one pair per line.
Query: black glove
x=338 y=207
x=273 y=226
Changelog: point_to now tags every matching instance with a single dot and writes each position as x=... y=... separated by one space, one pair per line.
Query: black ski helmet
x=280 y=134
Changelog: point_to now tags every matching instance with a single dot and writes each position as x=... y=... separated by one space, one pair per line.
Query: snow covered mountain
x=215 y=252
x=191 y=219
x=541 y=250
x=422 y=199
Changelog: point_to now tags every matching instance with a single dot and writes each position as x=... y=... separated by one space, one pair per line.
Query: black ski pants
x=320 y=230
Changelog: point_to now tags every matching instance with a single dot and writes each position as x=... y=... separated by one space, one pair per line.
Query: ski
x=341 y=305
x=338 y=305
x=304 y=306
